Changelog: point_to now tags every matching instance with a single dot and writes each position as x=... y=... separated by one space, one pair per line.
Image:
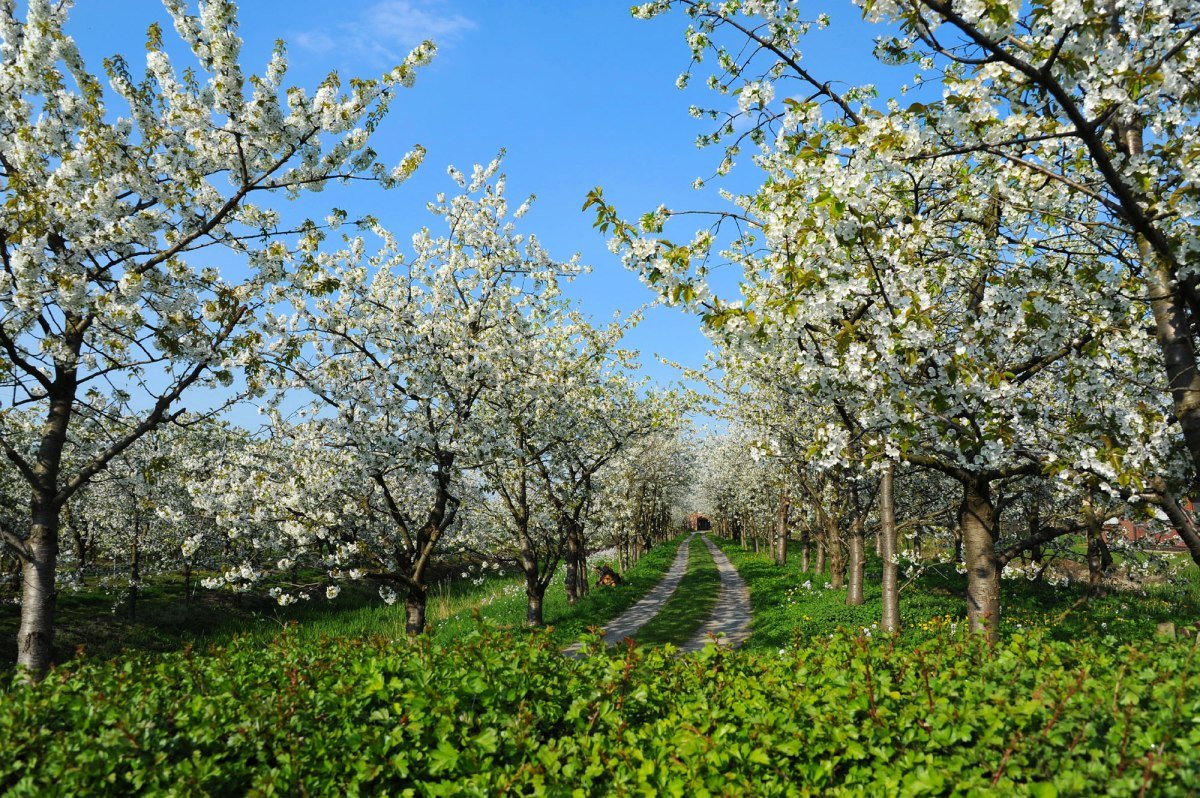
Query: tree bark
x=79 y=544
x=187 y=585
x=535 y=595
x=858 y=558
x=35 y=637
x=414 y=610
x=1172 y=324
x=135 y=573
x=819 y=568
x=39 y=594
x=977 y=520
x=837 y=564
x=889 y=619
x=1184 y=520
x=1098 y=557
x=836 y=552
x=576 y=573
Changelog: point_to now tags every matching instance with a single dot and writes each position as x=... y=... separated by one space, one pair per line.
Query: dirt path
x=627 y=623
x=730 y=618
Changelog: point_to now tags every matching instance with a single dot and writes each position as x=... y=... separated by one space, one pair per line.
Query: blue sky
x=577 y=92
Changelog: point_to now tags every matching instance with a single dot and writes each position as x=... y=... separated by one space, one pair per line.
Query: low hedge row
x=502 y=713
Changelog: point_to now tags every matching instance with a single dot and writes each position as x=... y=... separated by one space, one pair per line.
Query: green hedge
x=497 y=714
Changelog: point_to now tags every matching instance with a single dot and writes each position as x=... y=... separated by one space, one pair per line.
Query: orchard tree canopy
x=108 y=218
x=947 y=301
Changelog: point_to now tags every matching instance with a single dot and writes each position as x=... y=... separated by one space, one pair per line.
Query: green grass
x=96 y=620
x=785 y=611
x=506 y=608
x=691 y=603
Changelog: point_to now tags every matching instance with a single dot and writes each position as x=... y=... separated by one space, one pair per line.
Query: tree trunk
x=1172 y=323
x=890 y=618
x=781 y=529
x=858 y=557
x=187 y=585
x=820 y=566
x=804 y=549
x=414 y=610
x=1098 y=557
x=79 y=545
x=977 y=520
x=535 y=593
x=35 y=638
x=837 y=564
x=837 y=555
x=575 y=564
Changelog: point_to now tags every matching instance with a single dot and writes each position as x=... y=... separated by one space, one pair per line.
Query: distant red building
x=698 y=522
x=1154 y=534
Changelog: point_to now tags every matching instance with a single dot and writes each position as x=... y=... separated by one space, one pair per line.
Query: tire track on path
x=627 y=623
x=729 y=622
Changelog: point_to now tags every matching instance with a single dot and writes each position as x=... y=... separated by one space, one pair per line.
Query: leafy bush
x=497 y=713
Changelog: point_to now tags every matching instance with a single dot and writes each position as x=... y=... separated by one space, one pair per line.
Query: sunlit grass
x=97 y=620
x=506 y=606
x=690 y=605
x=789 y=604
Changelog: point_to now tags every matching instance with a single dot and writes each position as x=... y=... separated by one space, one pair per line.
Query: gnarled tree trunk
x=535 y=594
x=414 y=610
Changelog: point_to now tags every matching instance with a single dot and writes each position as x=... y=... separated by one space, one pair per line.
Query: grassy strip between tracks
x=690 y=605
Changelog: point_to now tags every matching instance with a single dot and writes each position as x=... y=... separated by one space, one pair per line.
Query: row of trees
x=990 y=290
x=412 y=398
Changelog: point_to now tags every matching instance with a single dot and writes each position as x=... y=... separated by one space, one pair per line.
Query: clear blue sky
x=577 y=92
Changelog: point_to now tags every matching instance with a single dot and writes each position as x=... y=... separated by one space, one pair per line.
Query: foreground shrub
x=493 y=714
